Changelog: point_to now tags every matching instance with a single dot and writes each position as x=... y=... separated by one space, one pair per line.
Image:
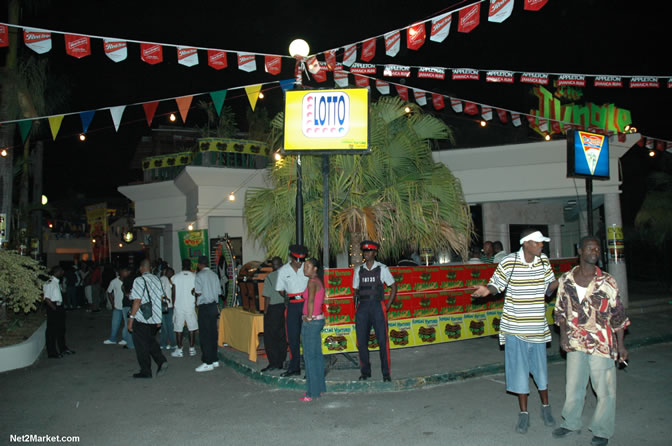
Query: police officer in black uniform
x=369 y=283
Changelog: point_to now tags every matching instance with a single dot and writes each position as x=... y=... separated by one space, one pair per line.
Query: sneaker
x=170 y=347
x=523 y=422
x=205 y=368
x=306 y=399
x=562 y=432
x=192 y=351
x=108 y=342
x=122 y=342
x=599 y=441
x=215 y=364
x=547 y=416
x=177 y=353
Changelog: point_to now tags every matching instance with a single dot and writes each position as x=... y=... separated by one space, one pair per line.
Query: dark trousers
x=55 y=331
x=146 y=346
x=293 y=319
x=275 y=342
x=371 y=313
x=207 y=326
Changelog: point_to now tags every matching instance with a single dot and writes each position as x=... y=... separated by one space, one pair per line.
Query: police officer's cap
x=368 y=245
x=298 y=251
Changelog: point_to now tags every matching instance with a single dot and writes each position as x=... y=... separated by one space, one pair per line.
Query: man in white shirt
x=292 y=283
x=185 y=308
x=499 y=251
x=206 y=289
x=55 y=315
x=115 y=294
x=167 y=331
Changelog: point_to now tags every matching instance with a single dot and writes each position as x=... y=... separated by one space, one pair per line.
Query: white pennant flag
x=420 y=97
x=116 y=113
x=247 y=62
x=392 y=43
x=515 y=119
x=341 y=78
x=383 y=87
x=440 y=27
x=115 y=49
x=36 y=40
x=499 y=10
x=187 y=56
x=456 y=104
x=349 y=55
x=543 y=125
x=486 y=113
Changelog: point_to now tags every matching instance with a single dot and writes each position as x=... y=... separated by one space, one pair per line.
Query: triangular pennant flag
x=440 y=27
x=469 y=18
x=415 y=36
x=273 y=64
x=368 y=49
x=556 y=127
x=534 y=5
x=217 y=59
x=499 y=10
x=253 y=94
x=86 y=118
x=286 y=84
x=330 y=58
x=420 y=97
x=24 y=128
x=117 y=50
x=183 y=104
x=456 y=104
x=437 y=101
x=116 y=113
x=150 y=109
x=55 y=125
x=219 y=96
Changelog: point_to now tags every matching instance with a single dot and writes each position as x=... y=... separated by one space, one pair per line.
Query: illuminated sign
x=587 y=155
x=327 y=120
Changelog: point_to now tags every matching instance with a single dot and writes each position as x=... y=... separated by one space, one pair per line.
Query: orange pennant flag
x=253 y=94
x=183 y=104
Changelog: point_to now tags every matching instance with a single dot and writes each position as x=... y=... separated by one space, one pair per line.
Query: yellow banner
x=233 y=146
x=320 y=120
x=172 y=160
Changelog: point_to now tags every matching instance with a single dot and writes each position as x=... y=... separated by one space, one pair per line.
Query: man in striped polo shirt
x=528 y=278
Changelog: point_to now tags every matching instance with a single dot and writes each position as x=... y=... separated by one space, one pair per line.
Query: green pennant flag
x=24 y=128
x=218 y=99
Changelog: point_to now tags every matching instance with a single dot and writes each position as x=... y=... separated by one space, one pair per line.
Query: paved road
x=92 y=395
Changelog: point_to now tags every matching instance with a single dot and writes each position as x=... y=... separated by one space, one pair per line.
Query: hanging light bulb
x=172 y=117
x=407 y=109
x=190 y=227
x=547 y=137
x=277 y=156
x=483 y=123
x=82 y=137
x=652 y=153
x=4 y=153
x=232 y=197
x=121 y=245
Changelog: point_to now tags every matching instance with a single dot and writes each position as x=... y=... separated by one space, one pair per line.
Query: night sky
x=568 y=36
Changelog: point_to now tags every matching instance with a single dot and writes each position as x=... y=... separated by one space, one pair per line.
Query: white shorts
x=180 y=317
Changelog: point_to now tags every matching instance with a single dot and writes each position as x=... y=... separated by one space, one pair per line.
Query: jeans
x=312 y=356
x=117 y=318
x=167 y=329
x=125 y=334
x=602 y=374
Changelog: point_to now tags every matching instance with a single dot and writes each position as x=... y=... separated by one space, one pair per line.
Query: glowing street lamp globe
x=299 y=48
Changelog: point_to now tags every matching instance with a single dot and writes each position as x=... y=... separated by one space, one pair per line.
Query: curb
x=406 y=384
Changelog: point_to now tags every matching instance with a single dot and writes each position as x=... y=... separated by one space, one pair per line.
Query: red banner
x=502 y=116
x=330 y=58
x=415 y=36
x=469 y=18
x=431 y=73
x=217 y=59
x=273 y=64
x=151 y=53
x=392 y=43
x=4 y=36
x=505 y=77
x=321 y=75
x=369 y=49
x=470 y=108
x=77 y=46
x=608 y=81
x=150 y=109
x=361 y=81
x=534 y=78
x=402 y=92
x=465 y=74
x=535 y=5
x=571 y=80
x=499 y=10
x=396 y=71
x=644 y=82
x=363 y=68
x=437 y=101
x=440 y=27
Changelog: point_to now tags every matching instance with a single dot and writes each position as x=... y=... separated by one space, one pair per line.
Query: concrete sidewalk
x=416 y=367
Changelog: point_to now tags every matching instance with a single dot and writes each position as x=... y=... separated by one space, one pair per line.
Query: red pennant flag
x=321 y=75
x=392 y=43
x=660 y=145
x=217 y=59
x=499 y=10
x=640 y=143
x=361 y=81
x=415 y=36
x=555 y=127
x=273 y=64
x=534 y=5
x=151 y=53
x=402 y=92
x=502 y=116
x=330 y=58
x=183 y=105
x=437 y=101
x=38 y=41
x=77 y=46
x=4 y=35
x=369 y=49
x=469 y=18
x=470 y=108
x=150 y=109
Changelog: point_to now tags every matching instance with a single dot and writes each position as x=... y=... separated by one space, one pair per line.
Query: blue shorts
x=522 y=358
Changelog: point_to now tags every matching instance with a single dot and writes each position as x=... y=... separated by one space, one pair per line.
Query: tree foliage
x=654 y=218
x=396 y=194
x=21 y=280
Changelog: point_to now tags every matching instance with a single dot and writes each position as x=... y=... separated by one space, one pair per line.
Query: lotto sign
x=327 y=120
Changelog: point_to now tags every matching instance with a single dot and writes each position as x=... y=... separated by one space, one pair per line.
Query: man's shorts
x=522 y=358
x=181 y=317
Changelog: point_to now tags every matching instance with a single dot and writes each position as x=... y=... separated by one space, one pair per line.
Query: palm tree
x=396 y=194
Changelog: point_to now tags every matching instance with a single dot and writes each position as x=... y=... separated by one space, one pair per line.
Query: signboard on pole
x=587 y=155
x=326 y=121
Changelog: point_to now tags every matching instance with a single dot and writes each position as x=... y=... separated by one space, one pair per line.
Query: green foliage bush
x=21 y=280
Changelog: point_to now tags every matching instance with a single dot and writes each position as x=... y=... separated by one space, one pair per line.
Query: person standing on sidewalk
x=292 y=283
x=369 y=281
x=167 y=330
x=275 y=342
x=55 y=333
x=115 y=295
x=184 y=308
x=146 y=288
x=206 y=290
x=528 y=278
x=592 y=322
x=126 y=285
x=311 y=329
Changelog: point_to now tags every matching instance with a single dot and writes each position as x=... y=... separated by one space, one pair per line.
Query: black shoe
x=562 y=432
x=141 y=375
x=268 y=368
x=162 y=369
x=599 y=441
x=288 y=373
x=387 y=378
x=364 y=377
x=55 y=356
x=67 y=351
